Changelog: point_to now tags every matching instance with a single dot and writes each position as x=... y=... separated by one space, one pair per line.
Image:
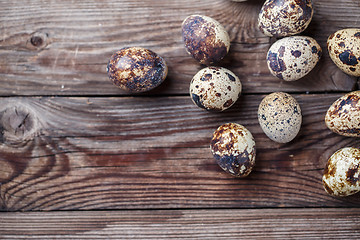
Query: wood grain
x=142 y=153
x=62 y=47
x=326 y=223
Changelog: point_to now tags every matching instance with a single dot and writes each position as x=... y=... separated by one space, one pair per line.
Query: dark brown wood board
x=62 y=47
x=74 y=145
x=137 y=152
x=324 y=223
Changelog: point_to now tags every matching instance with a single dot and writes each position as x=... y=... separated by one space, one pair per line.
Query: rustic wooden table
x=80 y=159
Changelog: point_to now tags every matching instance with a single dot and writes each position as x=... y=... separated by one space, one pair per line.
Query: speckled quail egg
x=343 y=116
x=344 y=50
x=136 y=69
x=281 y=18
x=342 y=172
x=205 y=39
x=233 y=147
x=215 y=88
x=291 y=58
x=280 y=117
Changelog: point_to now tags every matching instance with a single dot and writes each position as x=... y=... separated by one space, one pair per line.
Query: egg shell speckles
x=343 y=116
x=205 y=39
x=233 y=147
x=342 y=172
x=215 y=88
x=136 y=69
x=281 y=18
x=280 y=117
x=292 y=58
x=344 y=50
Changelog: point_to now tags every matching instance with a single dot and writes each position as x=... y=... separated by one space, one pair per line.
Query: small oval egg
x=344 y=50
x=342 y=172
x=205 y=39
x=292 y=58
x=279 y=18
x=215 y=88
x=343 y=116
x=136 y=69
x=280 y=117
x=233 y=148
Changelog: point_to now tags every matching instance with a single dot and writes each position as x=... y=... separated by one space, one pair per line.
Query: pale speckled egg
x=281 y=18
x=215 y=88
x=344 y=50
x=136 y=69
x=280 y=117
x=291 y=58
x=342 y=172
x=343 y=116
x=205 y=39
x=233 y=148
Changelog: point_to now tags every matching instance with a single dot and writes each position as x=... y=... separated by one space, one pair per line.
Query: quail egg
x=280 y=117
x=291 y=58
x=281 y=18
x=342 y=172
x=343 y=116
x=205 y=39
x=344 y=50
x=215 y=88
x=233 y=148
x=136 y=69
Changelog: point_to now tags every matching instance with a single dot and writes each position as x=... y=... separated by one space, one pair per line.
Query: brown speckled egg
x=291 y=58
x=343 y=116
x=136 y=69
x=205 y=39
x=344 y=50
x=281 y=18
x=233 y=147
x=342 y=172
x=280 y=117
x=215 y=88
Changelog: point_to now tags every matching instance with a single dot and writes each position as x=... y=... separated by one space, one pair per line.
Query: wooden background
x=80 y=158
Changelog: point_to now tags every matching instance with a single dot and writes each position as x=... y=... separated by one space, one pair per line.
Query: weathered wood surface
x=123 y=153
x=62 y=47
x=89 y=150
x=325 y=223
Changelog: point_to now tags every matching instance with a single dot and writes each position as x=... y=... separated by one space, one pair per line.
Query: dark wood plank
x=62 y=47
x=123 y=153
x=327 y=223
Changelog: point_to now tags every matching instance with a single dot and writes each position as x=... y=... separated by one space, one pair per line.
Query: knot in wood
x=17 y=125
x=38 y=40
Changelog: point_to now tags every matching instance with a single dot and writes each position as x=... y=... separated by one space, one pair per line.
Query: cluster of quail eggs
x=293 y=57
x=216 y=88
x=290 y=58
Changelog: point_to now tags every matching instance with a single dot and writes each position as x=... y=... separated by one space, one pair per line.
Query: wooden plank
x=325 y=223
x=136 y=152
x=62 y=47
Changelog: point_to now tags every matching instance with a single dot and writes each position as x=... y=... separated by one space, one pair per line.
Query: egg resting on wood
x=343 y=116
x=279 y=116
x=342 y=172
x=136 y=69
x=233 y=148
x=281 y=18
x=292 y=58
x=344 y=50
x=215 y=88
x=205 y=39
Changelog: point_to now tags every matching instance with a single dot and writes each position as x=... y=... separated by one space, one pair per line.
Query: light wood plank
x=62 y=47
x=326 y=223
x=137 y=152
